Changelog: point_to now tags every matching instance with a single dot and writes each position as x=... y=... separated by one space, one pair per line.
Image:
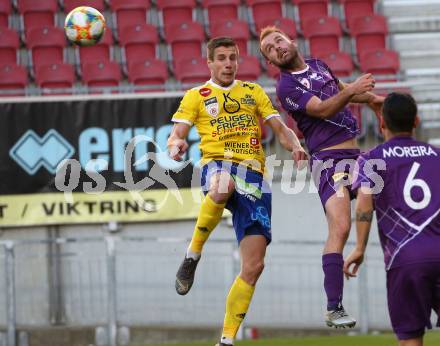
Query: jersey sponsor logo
x=211 y=106
x=315 y=76
x=230 y=105
x=262 y=216
x=248 y=100
x=205 y=92
x=411 y=151
x=292 y=104
x=246 y=85
x=305 y=82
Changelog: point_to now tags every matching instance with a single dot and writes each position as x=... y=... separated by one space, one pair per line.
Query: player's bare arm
x=327 y=108
x=373 y=101
x=177 y=144
x=364 y=216
x=288 y=140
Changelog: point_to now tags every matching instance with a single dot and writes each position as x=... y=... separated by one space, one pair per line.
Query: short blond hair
x=271 y=29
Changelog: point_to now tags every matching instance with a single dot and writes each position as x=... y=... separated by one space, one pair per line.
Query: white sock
x=227 y=341
x=191 y=254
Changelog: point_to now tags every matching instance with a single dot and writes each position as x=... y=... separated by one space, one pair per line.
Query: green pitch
x=431 y=339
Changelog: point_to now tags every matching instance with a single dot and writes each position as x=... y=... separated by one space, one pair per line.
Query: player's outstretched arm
x=288 y=140
x=364 y=215
x=329 y=107
x=177 y=144
x=375 y=102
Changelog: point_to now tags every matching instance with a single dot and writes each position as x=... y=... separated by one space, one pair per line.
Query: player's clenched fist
x=363 y=84
x=177 y=148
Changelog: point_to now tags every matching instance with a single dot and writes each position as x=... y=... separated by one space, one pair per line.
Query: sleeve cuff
x=184 y=121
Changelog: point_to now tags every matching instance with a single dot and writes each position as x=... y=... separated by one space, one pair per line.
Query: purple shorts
x=331 y=169
x=413 y=290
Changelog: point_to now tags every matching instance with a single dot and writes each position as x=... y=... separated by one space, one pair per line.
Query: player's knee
x=252 y=271
x=221 y=187
x=340 y=230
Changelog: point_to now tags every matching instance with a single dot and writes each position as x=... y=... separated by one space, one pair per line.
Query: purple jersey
x=295 y=89
x=408 y=205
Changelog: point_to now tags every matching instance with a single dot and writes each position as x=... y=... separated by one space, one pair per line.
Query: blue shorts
x=250 y=203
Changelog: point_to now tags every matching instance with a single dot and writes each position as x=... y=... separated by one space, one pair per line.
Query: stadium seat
x=310 y=9
x=5 y=11
x=129 y=12
x=138 y=42
x=46 y=45
x=369 y=33
x=323 y=34
x=383 y=64
x=234 y=28
x=9 y=44
x=173 y=12
x=291 y=124
x=264 y=10
x=55 y=76
x=219 y=10
x=69 y=5
x=101 y=74
x=185 y=41
x=36 y=14
x=340 y=63
x=356 y=8
x=13 y=80
x=148 y=75
x=103 y=51
x=248 y=68
x=272 y=71
x=285 y=24
x=192 y=70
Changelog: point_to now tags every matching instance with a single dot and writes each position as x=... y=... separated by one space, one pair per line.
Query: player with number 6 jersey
x=398 y=179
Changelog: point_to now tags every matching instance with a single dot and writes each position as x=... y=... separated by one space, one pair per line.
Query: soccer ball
x=84 y=26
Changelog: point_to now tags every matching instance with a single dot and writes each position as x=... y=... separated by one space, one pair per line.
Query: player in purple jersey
x=399 y=179
x=318 y=101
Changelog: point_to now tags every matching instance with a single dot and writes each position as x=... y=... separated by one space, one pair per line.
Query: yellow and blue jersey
x=227 y=120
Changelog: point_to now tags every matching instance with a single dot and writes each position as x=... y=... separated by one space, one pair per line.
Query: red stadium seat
x=219 y=10
x=264 y=10
x=285 y=24
x=69 y=5
x=5 y=11
x=175 y=12
x=185 y=40
x=101 y=74
x=13 y=80
x=148 y=75
x=46 y=45
x=381 y=62
x=129 y=12
x=138 y=42
x=55 y=76
x=323 y=34
x=356 y=8
x=248 y=68
x=9 y=44
x=311 y=9
x=272 y=71
x=39 y=13
x=192 y=71
x=340 y=63
x=369 y=32
x=234 y=28
x=102 y=51
x=291 y=124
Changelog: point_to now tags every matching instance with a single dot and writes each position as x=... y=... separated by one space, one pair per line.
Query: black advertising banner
x=93 y=161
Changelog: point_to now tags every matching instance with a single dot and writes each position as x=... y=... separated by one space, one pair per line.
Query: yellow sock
x=237 y=305
x=209 y=216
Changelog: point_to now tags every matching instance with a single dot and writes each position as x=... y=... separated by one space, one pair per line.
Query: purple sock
x=332 y=264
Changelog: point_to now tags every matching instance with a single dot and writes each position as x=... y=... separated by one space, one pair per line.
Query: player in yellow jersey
x=226 y=114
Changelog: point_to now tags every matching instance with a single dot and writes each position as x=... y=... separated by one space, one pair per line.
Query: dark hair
x=219 y=42
x=399 y=112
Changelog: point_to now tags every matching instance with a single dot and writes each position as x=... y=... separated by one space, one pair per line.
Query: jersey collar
x=302 y=71
x=220 y=87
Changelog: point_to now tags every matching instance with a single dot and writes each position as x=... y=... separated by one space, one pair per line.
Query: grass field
x=431 y=339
